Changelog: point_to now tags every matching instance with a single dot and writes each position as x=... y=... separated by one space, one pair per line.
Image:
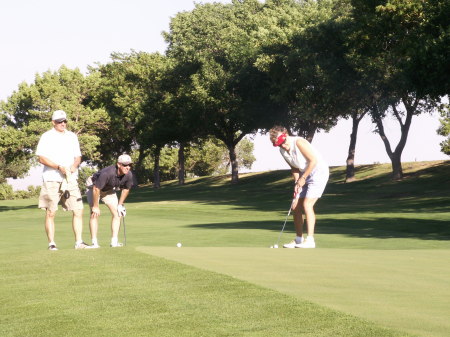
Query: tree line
x=232 y=69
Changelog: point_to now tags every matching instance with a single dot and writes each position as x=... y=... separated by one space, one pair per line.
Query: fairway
x=405 y=290
x=380 y=269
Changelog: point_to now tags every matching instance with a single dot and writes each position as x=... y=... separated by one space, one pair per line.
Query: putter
x=124 y=232
x=287 y=216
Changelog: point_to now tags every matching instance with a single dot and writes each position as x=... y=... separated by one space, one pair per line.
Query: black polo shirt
x=107 y=179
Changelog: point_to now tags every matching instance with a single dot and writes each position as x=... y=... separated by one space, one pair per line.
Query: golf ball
x=275 y=246
x=179 y=244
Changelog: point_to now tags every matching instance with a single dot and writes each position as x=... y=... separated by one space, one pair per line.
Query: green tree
x=210 y=157
x=444 y=129
x=386 y=38
x=305 y=51
x=213 y=42
x=27 y=114
x=133 y=96
x=420 y=32
x=15 y=151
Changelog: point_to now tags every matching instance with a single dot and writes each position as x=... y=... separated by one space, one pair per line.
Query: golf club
x=124 y=232
x=287 y=216
x=282 y=229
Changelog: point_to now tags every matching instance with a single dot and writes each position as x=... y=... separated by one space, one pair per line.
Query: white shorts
x=315 y=184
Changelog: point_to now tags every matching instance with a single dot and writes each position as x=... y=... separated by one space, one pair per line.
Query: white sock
x=95 y=242
x=78 y=242
x=310 y=238
x=114 y=241
x=52 y=243
x=299 y=239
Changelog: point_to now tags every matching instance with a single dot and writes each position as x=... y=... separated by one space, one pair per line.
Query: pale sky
x=41 y=35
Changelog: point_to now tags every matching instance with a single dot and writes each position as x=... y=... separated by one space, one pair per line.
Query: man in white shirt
x=59 y=151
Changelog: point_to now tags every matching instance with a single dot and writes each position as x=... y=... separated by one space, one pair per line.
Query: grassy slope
x=108 y=291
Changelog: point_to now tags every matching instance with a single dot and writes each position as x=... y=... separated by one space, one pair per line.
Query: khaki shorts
x=52 y=195
x=108 y=197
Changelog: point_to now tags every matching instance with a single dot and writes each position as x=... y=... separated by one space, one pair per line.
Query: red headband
x=280 y=140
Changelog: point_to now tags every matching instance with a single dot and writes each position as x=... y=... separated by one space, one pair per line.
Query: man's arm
x=95 y=210
x=76 y=163
x=123 y=196
x=47 y=162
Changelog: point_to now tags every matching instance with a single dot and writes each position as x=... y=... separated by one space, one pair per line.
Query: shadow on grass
x=427 y=183
x=382 y=228
x=16 y=208
x=424 y=190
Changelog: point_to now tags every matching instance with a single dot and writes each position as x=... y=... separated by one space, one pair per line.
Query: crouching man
x=103 y=186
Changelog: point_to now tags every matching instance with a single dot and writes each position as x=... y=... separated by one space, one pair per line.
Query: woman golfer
x=310 y=172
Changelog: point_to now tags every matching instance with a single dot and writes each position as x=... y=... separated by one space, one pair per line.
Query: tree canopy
x=233 y=69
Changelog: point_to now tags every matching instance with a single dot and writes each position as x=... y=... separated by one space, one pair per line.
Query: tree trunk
x=306 y=130
x=395 y=156
x=139 y=172
x=309 y=134
x=156 y=173
x=397 y=170
x=181 y=170
x=234 y=165
x=350 y=172
x=231 y=140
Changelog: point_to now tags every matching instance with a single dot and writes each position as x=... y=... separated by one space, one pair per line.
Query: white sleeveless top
x=296 y=159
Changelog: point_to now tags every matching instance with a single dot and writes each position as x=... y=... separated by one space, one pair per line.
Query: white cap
x=59 y=115
x=124 y=159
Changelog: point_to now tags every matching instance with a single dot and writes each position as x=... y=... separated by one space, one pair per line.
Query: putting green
x=408 y=290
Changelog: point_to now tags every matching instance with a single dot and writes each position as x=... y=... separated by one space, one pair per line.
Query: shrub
x=6 y=192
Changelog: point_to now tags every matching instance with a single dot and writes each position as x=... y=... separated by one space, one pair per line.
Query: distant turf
x=225 y=281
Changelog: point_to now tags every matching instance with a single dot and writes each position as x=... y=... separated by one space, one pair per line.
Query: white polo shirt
x=60 y=147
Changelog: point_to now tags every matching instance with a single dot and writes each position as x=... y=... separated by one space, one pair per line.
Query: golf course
x=381 y=267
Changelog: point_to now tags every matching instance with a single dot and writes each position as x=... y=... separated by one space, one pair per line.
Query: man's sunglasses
x=126 y=165
x=60 y=122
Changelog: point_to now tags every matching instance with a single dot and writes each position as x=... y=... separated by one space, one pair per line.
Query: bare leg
x=93 y=227
x=77 y=224
x=298 y=216
x=50 y=225
x=308 y=206
x=115 y=220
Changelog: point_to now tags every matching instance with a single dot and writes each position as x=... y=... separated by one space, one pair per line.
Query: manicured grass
x=125 y=293
x=403 y=289
x=365 y=278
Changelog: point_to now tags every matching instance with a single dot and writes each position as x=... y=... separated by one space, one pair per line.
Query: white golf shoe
x=292 y=244
x=307 y=243
x=81 y=245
